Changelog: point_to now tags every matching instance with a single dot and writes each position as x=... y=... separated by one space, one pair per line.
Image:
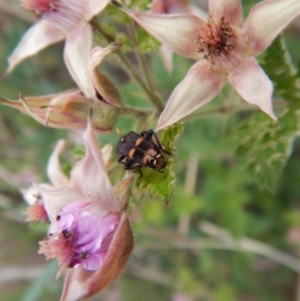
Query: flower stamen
x=216 y=39
x=222 y=44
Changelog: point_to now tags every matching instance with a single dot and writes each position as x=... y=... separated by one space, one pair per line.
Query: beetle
x=136 y=150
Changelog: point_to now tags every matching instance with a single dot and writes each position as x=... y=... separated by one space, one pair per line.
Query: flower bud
x=67 y=110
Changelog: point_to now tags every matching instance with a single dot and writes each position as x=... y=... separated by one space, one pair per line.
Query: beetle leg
x=130 y=164
x=159 y=170
x=150 y=135
x=147 y=134
x=121 y=158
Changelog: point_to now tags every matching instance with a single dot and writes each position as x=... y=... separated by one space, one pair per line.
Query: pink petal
x=267 y=19
x=89 y=176
x=77 y=57
x=252 y=83
x=37 y=37
x=80 y=283
x=231 y=10
x=55 y=199
x=179 y=31
x=169 y=6
x=166 y=55
x=201 y=84
x=54 y=171
x=92 y=231
x=94 y=7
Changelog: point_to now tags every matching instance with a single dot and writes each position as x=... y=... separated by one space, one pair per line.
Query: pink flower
x=90 y=233
x=173 y=7
x=225 y=48
x=59 y=20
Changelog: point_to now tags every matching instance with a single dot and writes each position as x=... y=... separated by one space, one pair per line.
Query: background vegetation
x=230 y=232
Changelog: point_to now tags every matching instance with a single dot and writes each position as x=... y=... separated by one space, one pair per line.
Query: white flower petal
x=37 y=37
x=231 y=10
x=54 y=171
x=89 y=176
x=267 y=19
x=166 y=55
x=94 y=7
x=77 y=57
x=252 y=83
x=201 y=84
x=32 y=194
x=55 y=199
x=178 y=31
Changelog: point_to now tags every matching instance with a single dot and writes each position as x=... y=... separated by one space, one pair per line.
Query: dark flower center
x=216 y=39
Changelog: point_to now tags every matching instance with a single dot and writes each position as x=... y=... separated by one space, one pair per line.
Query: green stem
x=133 y=112
x=157 y=101
x=152 y=96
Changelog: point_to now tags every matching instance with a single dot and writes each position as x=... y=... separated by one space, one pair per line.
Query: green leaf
x=146 y=43
x=265 y=147
x=140 y=5
x=159 y=184
x=225 y=292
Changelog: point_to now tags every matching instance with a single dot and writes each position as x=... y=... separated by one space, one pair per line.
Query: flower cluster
x=89 y=232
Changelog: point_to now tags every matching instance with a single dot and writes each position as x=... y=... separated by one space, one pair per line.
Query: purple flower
x=89 y=232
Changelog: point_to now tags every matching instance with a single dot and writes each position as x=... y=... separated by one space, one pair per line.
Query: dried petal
x=105 y=89
x=67 y=110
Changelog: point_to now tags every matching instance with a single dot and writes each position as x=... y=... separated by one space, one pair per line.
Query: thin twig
x=250 y=245
x=189 y=187
x=134 y=112
x=157 y=101
x=153 y=98
x=18 y=273
x=151 y=274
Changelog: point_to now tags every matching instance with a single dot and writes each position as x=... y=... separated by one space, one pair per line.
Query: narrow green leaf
x=35 y=291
